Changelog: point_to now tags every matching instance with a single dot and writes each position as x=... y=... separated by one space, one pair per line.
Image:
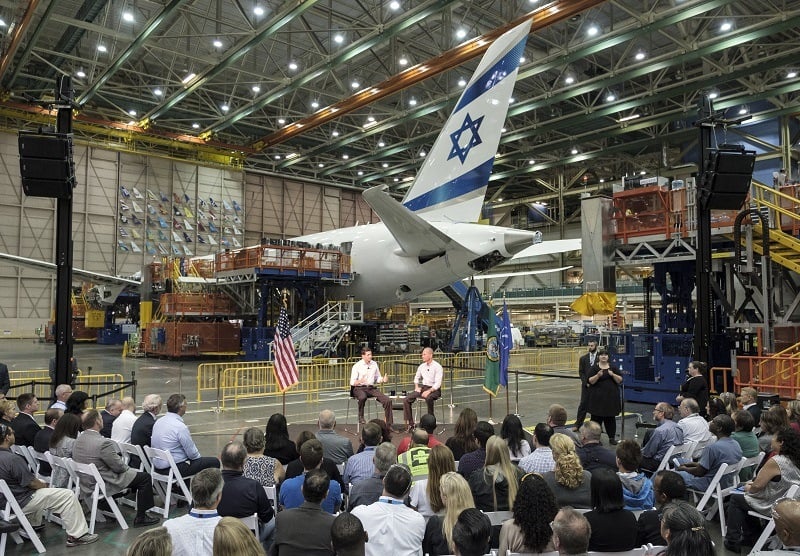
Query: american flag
x=285 y=364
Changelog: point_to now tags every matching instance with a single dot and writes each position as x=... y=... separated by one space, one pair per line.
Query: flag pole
x=491 y=420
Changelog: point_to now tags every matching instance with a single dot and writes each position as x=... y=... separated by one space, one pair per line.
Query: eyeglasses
x=775 y=515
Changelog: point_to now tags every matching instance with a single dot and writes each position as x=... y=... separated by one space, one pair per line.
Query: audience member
x=427 y=423
x=684 y=529
x=696 y=386
x=242 y=496
x=416 y=458
x=666 y=434
x=534 y=509
x=41 y=442
x=772 y=482
x=386 y=432
x=541 y=459
x=731 y=404
x=456 y=497
x=63 y=392
x=743 y=434
x=295 y=467
x=749 y=399
x=348 y=537
x=557 y=419
x=291 y=493
x=35 y=497
x=337 y=448
x=495 y=486
x=424 y=496
x=77 y=403
x=667 y=486
x=698 y=475
x=592 y=453
x=512 y=432
x=265 y=470
x=604 y=400
x=61 y=444
x=142 y=429
x=692 y=425
x=463 y=440
x=171 y=434
x=24 y=424
x=123 y=424
x=613 y=527
x=786 y=515
x=233 y=538
x=368 y=491
x=716 y=407
x=306 y=530
x=471 y=533
x=793 y=413
x=277 y=443
x=153 y=542
x=393 y=527
x=359 y=466
x=569 y=481
x=90 y=447
x=772 y=420
x=571 y=531
x=8 y=411
x=193 y=533
x=637 y=489
x=109 y=415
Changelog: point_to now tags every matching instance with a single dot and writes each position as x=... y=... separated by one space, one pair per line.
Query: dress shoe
x=732 y=546
x=145 y=520
x=361 y=421
x=612 y=441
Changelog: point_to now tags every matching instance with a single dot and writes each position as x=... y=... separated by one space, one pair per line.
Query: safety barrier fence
x=99 y=387
x=231 y=382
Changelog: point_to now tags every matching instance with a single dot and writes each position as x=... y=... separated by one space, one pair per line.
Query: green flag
x=491 y=380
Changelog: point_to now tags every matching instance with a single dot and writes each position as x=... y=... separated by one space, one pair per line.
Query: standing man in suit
x=25 y=425
x=90 y=447
x=142 y=431
x=584 y=364
x=5 y=380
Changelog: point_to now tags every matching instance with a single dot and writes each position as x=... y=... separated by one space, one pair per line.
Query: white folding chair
x=165 y=481
x=94 y=488
x=13 y=511
x=40 y=458
x=793 y=492
x=554 y=553
x=497 y=518
x=272 y=494
x=251 y=522
x=747 y=463
x=128 y=451
x=681 y=450
x=23 y=452
x=700 y=446
x=714 y=490
x=634 y=552
x=57 y=462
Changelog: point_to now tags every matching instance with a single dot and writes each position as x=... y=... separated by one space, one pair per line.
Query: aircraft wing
x=511 y=274
x=547 y=247
x=76 y=272
x=416 y=236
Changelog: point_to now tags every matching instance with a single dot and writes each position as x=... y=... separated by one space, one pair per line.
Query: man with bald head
x=121 y=429
x=427 y=385
x=336 y=448
x=666 y=434
x=63 y=392
x=786 y=514
x=142 y=430
x=416 y=458
x=109 y=415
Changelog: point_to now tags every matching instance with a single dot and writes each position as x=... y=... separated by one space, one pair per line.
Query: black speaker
x=728 y=181
x=46 y=164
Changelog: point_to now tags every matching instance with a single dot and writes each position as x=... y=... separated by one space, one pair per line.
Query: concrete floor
x=212 y=429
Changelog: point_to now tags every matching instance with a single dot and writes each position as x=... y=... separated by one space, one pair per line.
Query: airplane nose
x=517 y=240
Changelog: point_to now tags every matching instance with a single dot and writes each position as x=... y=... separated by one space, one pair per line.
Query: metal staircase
x=784 y=246
x=321 y=332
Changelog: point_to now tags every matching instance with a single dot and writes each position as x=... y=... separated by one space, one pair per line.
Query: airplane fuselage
x=384 y=275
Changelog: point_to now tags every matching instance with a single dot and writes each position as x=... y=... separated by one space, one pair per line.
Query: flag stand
x=491 y=420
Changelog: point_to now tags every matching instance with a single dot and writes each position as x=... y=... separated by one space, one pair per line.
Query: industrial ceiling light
x=592 y=30
x=217 y=43
x=412 y=101
x=574 y=150
x=293 y=66
x=403 y=61
x=569 y=79
x=281 y=121
x=461 y=33
x=131 y=112
x=157 y=92
x=640 y=55
x=381 y=144
x=611 y=96
x=195 y=125
x=314 y=104
x=335 y=133
x=256 y=89
x=361 y=172
x=422 y=154
x=345 y=156
x=188 y=78
x=258 y=10
x=713 y=93
x=2 y=23
x=102 y=48
x=726 y=26
x=80 y=73
x=462 y=82
x=744 y=110
x=127 y=16
x=394 y=5
x=224 y=107
x=355 y=84
x=791 y=74
x=338 y=38
x=385 y=165
x=531 y=162
x=396 y=180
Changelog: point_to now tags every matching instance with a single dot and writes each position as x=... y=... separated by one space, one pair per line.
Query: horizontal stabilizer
x=547 y=247
x=416 y=237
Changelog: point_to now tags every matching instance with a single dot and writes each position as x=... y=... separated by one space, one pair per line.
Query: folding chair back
x=12 y=510
x=714 y=490
x=497 y=518
x=700 y=446
x=681 y=450
x=40 y=458
x=751 y=462
x=634 y=552
x=251 y=522
x=23 y=452
x=60 y=464
x=165 y=481
x=128 y=452
x=92 y=483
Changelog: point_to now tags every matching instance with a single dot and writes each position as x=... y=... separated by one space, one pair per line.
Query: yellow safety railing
x=93 y=384
x=230 y=382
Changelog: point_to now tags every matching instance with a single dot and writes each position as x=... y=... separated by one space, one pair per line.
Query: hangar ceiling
x=609 y=90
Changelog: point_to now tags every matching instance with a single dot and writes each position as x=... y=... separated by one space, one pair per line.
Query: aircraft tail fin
x=452 y=182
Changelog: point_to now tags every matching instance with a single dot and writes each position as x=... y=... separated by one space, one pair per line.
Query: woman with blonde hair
x=569 y=481
x=8 y=411
x=455 y=496
x=153 y=542
x=233 y=538
x=425 y=496
x=494 y=487
x=729 y=399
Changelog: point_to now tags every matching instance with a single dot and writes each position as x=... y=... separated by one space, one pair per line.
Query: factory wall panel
x=331 y=208
x=273 y=223
x=100 y=190
x=293 y=216
x=312 y=208
x=254 y=205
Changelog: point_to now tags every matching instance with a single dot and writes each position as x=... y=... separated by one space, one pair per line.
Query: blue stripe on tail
x=493 y=75
x=465 y=183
